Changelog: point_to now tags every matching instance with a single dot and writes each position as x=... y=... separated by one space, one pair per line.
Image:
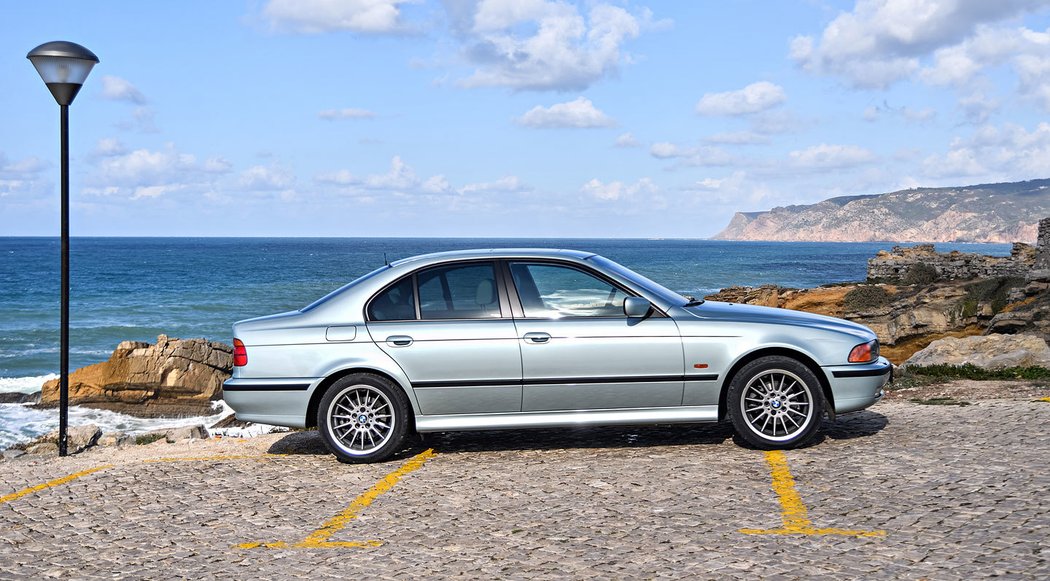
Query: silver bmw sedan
x=493 y=339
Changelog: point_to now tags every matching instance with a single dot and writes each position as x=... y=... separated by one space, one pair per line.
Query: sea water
x=137 y=288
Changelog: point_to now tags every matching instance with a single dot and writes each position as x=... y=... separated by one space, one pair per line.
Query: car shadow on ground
x=856 y=425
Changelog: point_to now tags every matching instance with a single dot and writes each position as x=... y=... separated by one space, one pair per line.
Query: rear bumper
x=278 y=402
x=855 y=387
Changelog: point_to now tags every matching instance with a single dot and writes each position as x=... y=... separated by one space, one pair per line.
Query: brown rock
x=78 y=438
x=174 y=377
x=992 y=352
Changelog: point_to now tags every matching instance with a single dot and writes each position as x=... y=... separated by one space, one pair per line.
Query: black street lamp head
x=64 y=66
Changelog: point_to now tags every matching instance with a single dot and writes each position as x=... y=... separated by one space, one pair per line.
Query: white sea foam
x=24 y=384
x=21 y=423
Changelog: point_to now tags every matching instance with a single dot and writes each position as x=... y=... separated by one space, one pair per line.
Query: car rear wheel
x=363 y=418
x=775 y=403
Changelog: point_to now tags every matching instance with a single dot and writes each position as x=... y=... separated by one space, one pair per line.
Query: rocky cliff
x=173 y=377
x=982 y=213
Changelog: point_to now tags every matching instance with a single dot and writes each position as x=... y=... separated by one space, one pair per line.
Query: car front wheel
x=775 y=403
x=363 y=418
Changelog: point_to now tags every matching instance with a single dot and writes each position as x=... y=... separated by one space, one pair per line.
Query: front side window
x=459 y=291
x=551 y=291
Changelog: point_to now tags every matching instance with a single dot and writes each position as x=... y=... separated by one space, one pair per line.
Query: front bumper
x=857 y=386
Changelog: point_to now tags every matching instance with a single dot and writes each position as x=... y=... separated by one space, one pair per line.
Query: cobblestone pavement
x=946 y=492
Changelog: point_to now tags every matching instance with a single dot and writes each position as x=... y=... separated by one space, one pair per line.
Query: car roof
x=494 y=253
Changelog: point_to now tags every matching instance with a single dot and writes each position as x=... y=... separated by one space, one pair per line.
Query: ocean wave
x=20 y=423
x=25 y=384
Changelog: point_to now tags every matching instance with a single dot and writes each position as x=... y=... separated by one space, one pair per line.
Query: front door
x=445 y=327
x=580 y=351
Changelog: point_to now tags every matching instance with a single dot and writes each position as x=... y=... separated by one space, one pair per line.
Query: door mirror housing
x=636 y=307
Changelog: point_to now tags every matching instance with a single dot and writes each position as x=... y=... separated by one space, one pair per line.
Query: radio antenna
x=385 y=259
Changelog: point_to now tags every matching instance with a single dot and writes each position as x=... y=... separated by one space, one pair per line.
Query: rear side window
x=459 y=291
x=397 y=303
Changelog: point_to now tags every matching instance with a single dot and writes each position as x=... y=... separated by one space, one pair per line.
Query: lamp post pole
x=63 y=386
x=63 y=66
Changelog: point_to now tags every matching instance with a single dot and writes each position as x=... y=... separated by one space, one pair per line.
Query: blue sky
x=527 y=118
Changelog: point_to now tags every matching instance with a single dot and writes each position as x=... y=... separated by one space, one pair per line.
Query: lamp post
x=64 y=66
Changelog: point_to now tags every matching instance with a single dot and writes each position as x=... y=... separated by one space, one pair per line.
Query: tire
x=775 y=403
x=363 y=418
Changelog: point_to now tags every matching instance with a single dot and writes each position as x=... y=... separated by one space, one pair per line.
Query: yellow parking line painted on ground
x=319 y=538
x=793 y=511
x=214 y=458
x=52 y=483
x=1046 y=399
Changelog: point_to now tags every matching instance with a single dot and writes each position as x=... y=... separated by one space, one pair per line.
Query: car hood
x=739 y=313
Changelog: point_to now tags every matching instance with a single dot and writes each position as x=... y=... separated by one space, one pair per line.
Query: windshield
x=340 y=290
x=666 y=294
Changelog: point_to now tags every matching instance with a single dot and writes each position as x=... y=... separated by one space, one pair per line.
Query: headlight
x=865 y=352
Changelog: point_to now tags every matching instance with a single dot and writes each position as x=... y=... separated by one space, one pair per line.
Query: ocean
x=137 y=288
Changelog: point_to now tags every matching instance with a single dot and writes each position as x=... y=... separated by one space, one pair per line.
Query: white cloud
x=29 y=165
x=400 y=177
x=109 y=146
x=753 y=98
x=995 y=153
x=702 y=156
x=20 y=177
x=580 y=113
x=544 y=45
x=618 y=191
x=883 y=41
x=504 y=185
x=143 y=167
x=626 y=140
x=665 y=150
x=977 y=107
x=825 y=156
x=331 y=114
x=912 y=115
x=342 y=177
x=142 y=120
x=266 y=178
x=217 y=165
x=319 y=16
x=144 y=173
x=737 y=138
x=436 y=185
x=156 y=191
x=118 y=89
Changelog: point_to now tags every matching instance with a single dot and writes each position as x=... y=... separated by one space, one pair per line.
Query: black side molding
x=560 y=380
x=863 y=372
x=266 y=387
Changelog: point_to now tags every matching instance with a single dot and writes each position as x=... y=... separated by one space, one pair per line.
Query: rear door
x=580 y=351
x=450 y=330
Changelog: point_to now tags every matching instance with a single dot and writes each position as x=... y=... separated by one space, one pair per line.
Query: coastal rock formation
x=905 y=319
x=78 y=439
x=992 y=352
x=982 y=213
x=904 y=262
x=173 y=377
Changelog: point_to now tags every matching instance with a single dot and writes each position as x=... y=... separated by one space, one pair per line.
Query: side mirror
x=636 y=307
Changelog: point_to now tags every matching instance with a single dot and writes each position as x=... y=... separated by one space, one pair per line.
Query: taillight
x=865 y=352
x=240 y=354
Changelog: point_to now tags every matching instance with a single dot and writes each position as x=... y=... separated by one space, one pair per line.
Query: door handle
x=399 y=340
x=537 y=337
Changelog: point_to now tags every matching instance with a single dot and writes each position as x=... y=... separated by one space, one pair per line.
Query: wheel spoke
x=356 y=438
